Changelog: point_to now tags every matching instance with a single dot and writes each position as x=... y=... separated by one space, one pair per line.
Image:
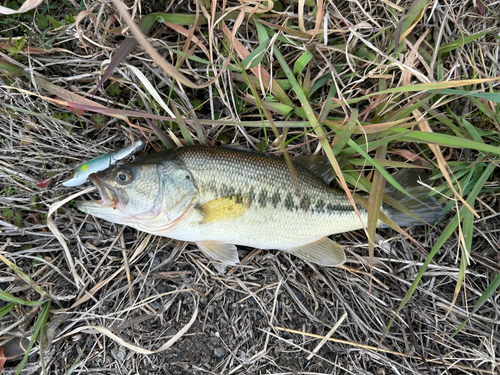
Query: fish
x=81 y=173
x=219 y=198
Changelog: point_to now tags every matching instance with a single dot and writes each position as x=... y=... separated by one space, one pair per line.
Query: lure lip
x=72 y=180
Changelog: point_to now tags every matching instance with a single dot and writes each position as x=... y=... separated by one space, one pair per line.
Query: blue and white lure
x=100 y=163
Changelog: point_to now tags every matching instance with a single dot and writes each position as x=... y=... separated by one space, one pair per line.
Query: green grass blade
x=480 y=104
x=189 y=19
x=319 y=83
x=255 y=57
x=460 y=42
x=5 y=310
x=77 y=359
x=183 y=127
x=279 y=108
x=374 y=205
x=386 y=163
x=465 y=238
x=261 y=32
x=39 y=325
x=445 y=140
x=493 y=96
x=6 y=296
x=8 y=67
x=425 y=87
x=328 y=104
x=346 y=133
x=301 y=63
x=472 y=131
x=490 y=291
x=23 y=276
x=407 y=20
x=348 y=151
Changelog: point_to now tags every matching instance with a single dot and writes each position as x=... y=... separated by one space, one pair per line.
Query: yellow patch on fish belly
x=224 y=209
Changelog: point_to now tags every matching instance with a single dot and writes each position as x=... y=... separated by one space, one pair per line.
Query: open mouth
x=108 y=195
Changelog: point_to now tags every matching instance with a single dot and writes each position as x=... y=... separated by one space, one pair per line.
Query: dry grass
x=135 y=294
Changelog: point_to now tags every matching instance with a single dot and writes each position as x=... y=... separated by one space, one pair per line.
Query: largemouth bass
x=219 y=198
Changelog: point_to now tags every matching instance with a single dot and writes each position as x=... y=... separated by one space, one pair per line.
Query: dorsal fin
x=318 y=165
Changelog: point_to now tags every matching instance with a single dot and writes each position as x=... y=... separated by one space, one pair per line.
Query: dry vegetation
x=129 y=294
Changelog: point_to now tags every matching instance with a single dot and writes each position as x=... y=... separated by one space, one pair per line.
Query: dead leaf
x=2 y=359
x=43 y=183
x=27 y=6
x=481 y=8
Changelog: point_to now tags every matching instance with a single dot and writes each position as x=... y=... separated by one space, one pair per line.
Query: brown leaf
x=2 y=359
x=480 y=8
x=27 y=6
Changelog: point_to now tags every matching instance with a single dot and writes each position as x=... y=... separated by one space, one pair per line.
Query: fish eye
x=123 y=176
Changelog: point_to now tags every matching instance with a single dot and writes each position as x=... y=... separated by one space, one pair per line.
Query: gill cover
x=179 y=189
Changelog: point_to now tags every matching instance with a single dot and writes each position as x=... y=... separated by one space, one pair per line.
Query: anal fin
x=224 y=252
x=324 y=252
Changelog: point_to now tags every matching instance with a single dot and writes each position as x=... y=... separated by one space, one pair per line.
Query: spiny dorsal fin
x=224 y=252
x=324 y=252
x=318 y=165
x=226 y=208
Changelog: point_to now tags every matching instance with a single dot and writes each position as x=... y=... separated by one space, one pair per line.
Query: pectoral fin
x=223 y=252
x=324 y=252
x=224 y=209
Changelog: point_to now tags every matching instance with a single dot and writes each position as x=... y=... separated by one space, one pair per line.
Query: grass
x=385 y=86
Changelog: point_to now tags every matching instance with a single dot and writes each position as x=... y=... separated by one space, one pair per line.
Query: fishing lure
x=81 y=173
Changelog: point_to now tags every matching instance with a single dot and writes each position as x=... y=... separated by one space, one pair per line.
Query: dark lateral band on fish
x=219 y=198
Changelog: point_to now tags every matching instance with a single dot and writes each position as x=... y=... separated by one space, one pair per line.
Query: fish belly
x=269 y=229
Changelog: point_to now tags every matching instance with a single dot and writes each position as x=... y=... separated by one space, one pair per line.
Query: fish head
x=148 y=196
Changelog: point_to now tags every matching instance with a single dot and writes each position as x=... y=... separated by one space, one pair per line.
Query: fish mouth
x=109 y=195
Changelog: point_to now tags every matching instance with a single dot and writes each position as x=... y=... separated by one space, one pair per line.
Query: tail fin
x=424 y=206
